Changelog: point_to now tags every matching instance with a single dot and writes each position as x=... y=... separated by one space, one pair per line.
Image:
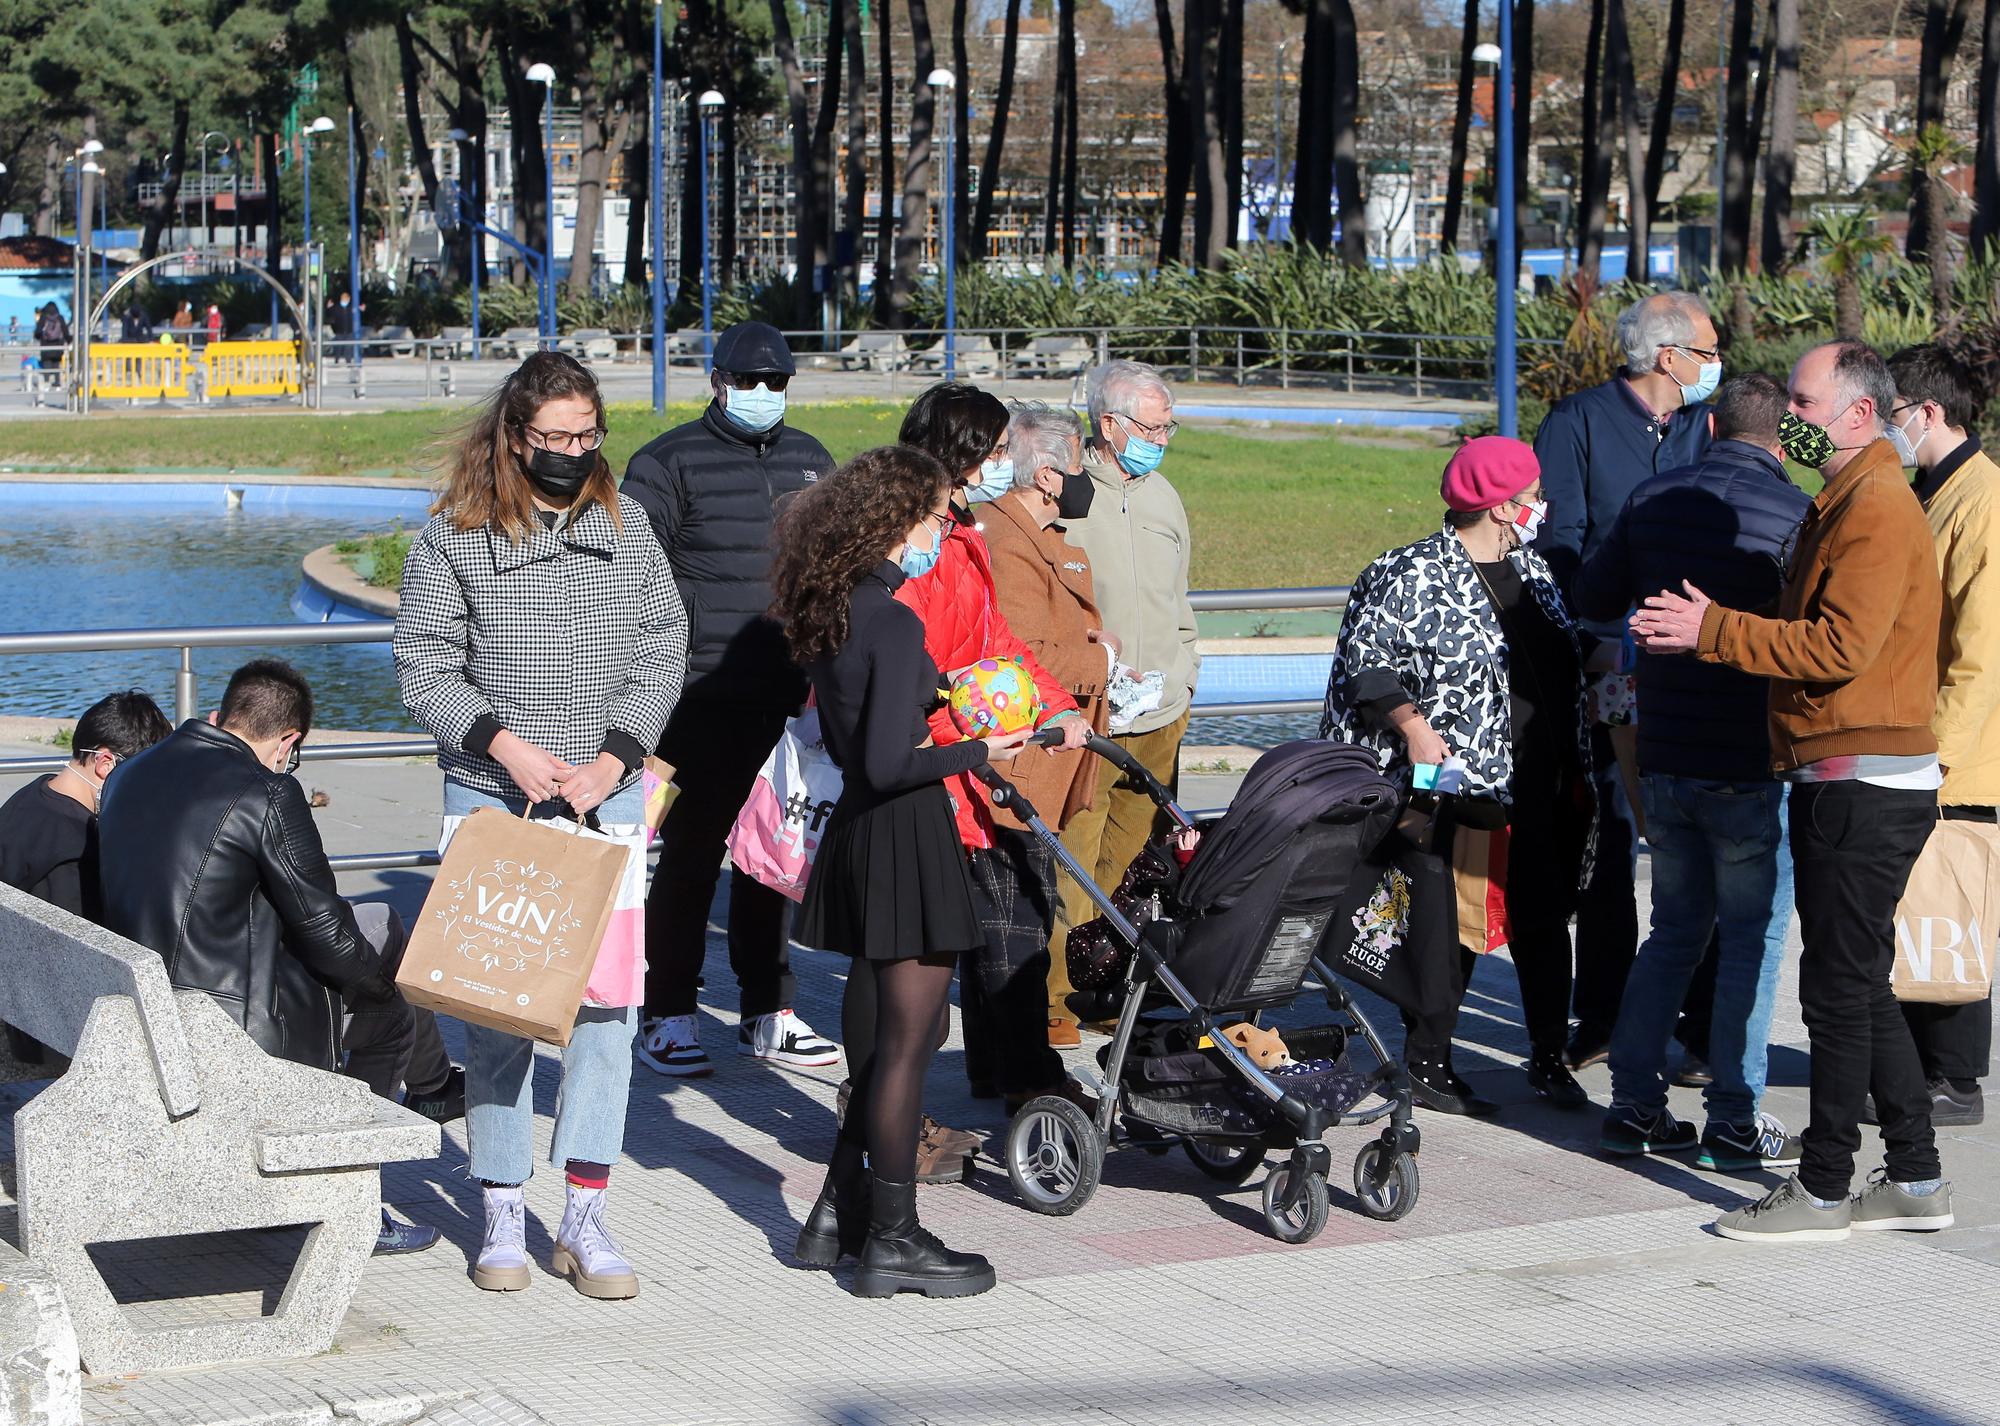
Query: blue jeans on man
x=1721 y=867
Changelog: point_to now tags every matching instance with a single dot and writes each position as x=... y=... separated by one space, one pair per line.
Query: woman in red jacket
x=1004 y=986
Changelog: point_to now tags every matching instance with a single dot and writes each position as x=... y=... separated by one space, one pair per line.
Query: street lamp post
x=656 y=184
x=353 y=250
x=321 y=125
x=207 y=200
x=711 y=108
x=545 y=76
x=942 y=82
x=1506 y=259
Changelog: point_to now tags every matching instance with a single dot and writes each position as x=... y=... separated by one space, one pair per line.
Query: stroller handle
x=1110 y=750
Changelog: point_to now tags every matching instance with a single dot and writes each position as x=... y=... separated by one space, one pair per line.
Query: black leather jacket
x=212 y=859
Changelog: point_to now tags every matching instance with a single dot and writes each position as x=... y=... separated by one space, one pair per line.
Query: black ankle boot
x=902 y=1257
x=837 y=1227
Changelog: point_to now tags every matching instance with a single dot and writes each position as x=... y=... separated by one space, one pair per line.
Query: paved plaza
x=1534 y=1282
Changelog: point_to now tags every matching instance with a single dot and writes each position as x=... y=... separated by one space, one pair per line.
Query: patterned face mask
x=1804 y=442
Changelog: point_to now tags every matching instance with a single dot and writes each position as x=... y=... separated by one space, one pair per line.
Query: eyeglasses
x=1705 y=353
x=751 y=380
x=572 y=442
x=1158 y=434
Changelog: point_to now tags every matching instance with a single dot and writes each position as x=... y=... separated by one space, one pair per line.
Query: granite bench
x=169 y=1123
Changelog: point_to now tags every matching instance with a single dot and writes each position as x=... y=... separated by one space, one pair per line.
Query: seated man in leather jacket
x=209 y=855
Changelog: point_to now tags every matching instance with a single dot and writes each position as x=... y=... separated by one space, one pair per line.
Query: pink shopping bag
x=778 y=831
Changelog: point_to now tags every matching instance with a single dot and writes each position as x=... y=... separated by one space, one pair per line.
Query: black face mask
x=1077 y=493
x=558 y=476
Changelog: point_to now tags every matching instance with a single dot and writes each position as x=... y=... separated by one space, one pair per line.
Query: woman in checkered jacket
x=541 y=641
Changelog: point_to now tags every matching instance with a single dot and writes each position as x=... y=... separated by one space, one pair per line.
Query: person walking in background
x=1460 y=646
x=541 y=641
x=711 y=488
x=183 y=317
x=1853 y=658
x=1959 y=485
x=53 y=334
x=1045 y=591
x=1596 y=447
x=1715 y=823
x=1137 y=543
x=1005 y=980
x=890 y=885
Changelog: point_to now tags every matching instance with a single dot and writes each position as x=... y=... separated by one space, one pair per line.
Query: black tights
x=889 y=1024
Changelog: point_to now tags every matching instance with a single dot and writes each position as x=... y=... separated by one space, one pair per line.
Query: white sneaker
x=783 y=1037
x=671 y=1045
x=585 y=1253
x=503 y=1257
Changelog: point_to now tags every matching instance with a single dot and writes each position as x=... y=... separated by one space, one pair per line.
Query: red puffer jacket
x=962 y=625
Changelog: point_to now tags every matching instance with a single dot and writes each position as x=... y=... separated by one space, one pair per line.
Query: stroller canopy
x=1291 y=786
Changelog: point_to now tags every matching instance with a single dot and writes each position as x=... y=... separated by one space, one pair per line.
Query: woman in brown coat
x=1044 y=589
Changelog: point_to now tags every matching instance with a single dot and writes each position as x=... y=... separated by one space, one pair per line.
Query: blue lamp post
x=711 y=109
x=943 y=82
x=656 y=186
x=1506 y=259
x=545 y=76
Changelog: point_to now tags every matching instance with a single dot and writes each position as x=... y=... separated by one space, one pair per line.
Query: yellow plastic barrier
x=135 y=369
x=251 y=368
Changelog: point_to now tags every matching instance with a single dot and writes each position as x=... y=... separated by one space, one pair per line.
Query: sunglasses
x=751 y=380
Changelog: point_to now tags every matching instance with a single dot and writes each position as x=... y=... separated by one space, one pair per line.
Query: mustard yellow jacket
x=1964 y=518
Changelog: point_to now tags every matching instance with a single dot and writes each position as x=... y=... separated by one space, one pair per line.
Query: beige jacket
x=1137 y=539
x=1966 y=526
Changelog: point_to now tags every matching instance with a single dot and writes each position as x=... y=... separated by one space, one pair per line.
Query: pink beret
x=1489 y=471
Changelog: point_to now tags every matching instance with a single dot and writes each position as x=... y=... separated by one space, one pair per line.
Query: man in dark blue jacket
x=1596 y=447
x=1714 y=813
x=710 y=487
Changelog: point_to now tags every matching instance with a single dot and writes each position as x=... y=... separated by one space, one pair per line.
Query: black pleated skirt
x=890 y=882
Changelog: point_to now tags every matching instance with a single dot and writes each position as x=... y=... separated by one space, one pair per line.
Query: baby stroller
x=1272 y=882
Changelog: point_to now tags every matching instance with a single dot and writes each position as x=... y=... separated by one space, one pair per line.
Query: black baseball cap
x=750 y=347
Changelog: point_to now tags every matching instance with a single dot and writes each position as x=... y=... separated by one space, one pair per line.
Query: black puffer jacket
x=709 y=489
x=213 y=860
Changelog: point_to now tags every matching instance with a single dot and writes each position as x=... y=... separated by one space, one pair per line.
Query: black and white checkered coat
x=570 y=634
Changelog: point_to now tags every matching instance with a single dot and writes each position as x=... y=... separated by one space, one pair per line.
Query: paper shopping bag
x=509 y=934
x=1945 y=922
x=1479 y=874
x=777 y=833
x=657 y=786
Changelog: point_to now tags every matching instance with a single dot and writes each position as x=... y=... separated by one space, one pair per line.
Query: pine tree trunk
x=1312 y=183
x=805 y=194
x=1638 y=225
x=1461 y=128
x=1232 y=111
x=1202 y=45
x=822 y=150
x=1346 y=113
x=1179 y=155
x=1944 y=28
x=170 y=191
x=1052 y=194
x=1779 y=167
x=996 y=138
x=1072 y=107
x=1663 y=107
x=595 y=144
x=857 y=147
x=961 y=148
x=49 y=200
x=885 y=220
x=1739 y=155
x=1524 y=115
x=915 y=224
x=1986 y=159
x=1593 y=171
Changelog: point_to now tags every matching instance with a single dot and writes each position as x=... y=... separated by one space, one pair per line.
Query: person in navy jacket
x=1596 y=447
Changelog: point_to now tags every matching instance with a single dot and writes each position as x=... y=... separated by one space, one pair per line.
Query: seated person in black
x=210 y=856
x=889 y=884
x=48 y=829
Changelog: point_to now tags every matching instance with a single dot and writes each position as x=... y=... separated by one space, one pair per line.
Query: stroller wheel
x=1054 y=1155
x=1301 y=1222
x=1396 y=1194
x=1224 y=1161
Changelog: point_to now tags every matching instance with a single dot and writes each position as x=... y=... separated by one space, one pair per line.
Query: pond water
x=143 y=563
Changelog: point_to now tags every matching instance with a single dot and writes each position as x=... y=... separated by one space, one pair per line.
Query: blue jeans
x=500 y=1068
x=1721 y=866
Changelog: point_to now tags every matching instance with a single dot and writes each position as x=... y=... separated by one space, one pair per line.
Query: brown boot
x=1064 y=1034
x=943 y=1155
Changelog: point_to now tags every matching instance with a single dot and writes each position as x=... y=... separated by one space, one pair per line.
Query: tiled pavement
x=1534 y=1282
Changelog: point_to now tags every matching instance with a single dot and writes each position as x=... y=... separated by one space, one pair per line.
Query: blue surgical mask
x=756 y=410
x=916 y=563
x=1140 y=456
x=1705 y=384
x=996 y=478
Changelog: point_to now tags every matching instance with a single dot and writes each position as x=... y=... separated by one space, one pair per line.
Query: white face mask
x=1528 y=518
x=1906 y=449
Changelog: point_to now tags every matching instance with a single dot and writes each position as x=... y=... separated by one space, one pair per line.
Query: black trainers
x=440 y=1106
x=1550 y=1078
x=1437 y=1086
x=1630 y=1131
x=1741 y=1148
x=1952 y=1107
x=1587 y=1047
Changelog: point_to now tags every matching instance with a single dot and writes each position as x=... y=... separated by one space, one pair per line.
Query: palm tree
x=1846 y=244
x=1935 y=151
x=1461 y=127
x=1944 y=28
x=1780 y=163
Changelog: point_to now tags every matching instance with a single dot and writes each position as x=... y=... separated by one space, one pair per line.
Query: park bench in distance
x=171 y=1122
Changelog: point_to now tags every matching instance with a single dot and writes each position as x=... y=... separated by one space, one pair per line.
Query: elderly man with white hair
x=1596 y=447
x=1137 y=544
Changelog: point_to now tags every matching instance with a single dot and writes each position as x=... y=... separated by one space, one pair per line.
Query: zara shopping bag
x=777 y=833
x=528 y=920
x=1945 y=922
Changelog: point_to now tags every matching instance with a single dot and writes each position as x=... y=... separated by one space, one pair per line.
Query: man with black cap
x=710 y=488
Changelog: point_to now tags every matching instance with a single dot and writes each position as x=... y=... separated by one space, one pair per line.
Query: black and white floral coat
x=1420 y=616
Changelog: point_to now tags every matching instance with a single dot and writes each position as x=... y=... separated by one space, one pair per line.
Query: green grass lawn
x=1269 y=506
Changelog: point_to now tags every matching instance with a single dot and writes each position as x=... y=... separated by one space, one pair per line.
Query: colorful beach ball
x=994 y=696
